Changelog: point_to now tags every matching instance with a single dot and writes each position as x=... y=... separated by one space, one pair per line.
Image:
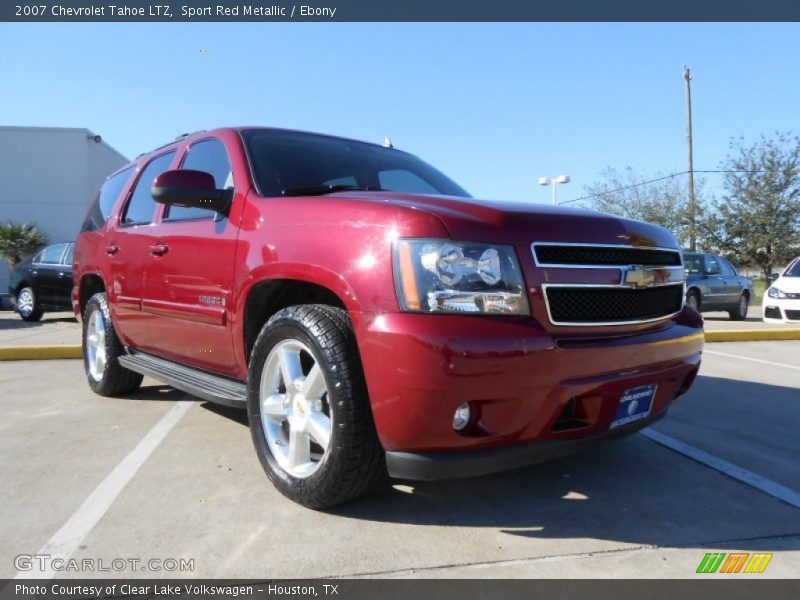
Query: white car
x=781 y=302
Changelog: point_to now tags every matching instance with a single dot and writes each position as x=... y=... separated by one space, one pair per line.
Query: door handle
x=112 y=249
x=159 y=249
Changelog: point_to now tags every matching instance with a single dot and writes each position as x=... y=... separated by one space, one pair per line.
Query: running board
x=202 y=384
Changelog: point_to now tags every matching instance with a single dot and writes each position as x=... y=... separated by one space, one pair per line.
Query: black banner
x=398 y=10
x=395 y=589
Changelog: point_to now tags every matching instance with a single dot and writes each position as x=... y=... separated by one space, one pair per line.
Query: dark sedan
x=43 y=282
x=712 y=283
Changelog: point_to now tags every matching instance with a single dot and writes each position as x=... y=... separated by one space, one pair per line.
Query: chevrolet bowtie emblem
x=639 y=277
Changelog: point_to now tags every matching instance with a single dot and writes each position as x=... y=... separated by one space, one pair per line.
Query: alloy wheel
x=25 y=302
x=96 y=345
x=296 y=414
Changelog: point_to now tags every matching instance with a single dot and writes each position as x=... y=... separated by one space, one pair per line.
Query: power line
x=641 y=183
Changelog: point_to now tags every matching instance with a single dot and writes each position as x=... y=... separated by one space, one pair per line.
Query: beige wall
x=49 y=176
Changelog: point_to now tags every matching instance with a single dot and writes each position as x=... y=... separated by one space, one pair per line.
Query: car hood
x=788 y=284
x=519 y=223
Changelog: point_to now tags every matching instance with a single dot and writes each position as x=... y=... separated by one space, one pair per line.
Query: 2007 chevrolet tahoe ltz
x=371 y=316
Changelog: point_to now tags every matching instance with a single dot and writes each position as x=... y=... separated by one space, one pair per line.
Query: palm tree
x=19 y=239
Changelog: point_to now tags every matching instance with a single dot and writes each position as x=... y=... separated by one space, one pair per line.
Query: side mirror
x=772 y=276
x=185 y=187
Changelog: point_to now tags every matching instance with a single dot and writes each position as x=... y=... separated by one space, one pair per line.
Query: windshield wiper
x=321 y=190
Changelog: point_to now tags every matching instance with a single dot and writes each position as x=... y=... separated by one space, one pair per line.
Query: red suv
x=370 y=315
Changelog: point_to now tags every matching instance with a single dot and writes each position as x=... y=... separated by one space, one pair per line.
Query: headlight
x=455 y=277
x=774 y=292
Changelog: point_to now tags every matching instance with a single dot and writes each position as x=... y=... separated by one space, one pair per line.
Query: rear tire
x=101 y=352
x=28 y=306
x=740 y=312
x=314 y=433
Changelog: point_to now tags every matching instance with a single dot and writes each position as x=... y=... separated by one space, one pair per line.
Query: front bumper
x=520 y=381
x=472 y=463
x=783 y=310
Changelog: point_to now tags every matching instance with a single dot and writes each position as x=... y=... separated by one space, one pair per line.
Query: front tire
x=28 y=306
x=740 y=312
x=101 y=352
x=308 y=408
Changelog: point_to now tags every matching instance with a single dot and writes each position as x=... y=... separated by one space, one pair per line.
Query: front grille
x=773 y=312
x=608 y=305
x=793 y=315
x=602 y=256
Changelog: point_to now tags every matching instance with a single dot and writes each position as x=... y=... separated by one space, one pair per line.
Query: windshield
x=693 y=264
x=290 y=163
x=794 y=270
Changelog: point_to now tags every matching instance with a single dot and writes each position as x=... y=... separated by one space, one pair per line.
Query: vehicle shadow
x=157 y=393
x=237 y=415
x=631 y=490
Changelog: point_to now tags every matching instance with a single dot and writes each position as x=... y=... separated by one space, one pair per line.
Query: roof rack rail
x=185 y=135
x=177 y=139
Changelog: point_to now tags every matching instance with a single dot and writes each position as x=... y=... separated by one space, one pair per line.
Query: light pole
x=554 y=181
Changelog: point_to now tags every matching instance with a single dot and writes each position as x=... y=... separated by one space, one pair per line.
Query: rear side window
x=141 y=206
x=727 y=268
x=209 y=156
x=106 y=199
x=70 y=255
x=52 y=254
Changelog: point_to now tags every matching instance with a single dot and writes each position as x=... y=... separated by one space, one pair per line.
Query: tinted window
x=52 y=254
x=283 y=161
x=711 y=265
x=209 y=156
x=398 y=180
x=692 y=263
x=106 y=199
x=793 y=270
x=70 y=255
x=141 y=205
x=727 y=268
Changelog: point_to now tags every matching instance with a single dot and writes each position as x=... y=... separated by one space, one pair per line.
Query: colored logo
x=734 y=562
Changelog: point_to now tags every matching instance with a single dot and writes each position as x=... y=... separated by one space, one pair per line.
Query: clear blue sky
x=492 y=105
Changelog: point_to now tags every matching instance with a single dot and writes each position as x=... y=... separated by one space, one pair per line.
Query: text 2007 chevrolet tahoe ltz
x=370 y=315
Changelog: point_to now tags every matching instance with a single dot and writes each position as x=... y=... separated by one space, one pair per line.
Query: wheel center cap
x=300 y=404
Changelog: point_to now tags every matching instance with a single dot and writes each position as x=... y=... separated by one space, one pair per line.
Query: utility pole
x=687 y=75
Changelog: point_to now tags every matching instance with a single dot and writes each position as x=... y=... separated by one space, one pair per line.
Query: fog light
x=461 y=417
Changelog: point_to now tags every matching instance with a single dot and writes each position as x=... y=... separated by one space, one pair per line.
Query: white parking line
x=67 y=539
x=769 y=487
x=756 y=360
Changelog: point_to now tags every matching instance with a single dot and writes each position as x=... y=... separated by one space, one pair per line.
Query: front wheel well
x=90 y=285
x=268 y=297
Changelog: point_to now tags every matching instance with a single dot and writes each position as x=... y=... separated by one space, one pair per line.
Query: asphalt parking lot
x=160 y=475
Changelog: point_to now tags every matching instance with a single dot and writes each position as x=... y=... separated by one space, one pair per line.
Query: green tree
x=19 y=239
x=757 y=220
x=633 y=195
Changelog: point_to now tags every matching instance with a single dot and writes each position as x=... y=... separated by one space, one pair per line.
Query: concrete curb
x=75 y=351
x=40 y=352
x=752 y=335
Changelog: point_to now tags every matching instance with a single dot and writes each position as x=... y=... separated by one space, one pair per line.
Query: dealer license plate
x=634 y=405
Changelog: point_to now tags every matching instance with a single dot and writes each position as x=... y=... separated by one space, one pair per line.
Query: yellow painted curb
x=74 y=350
x=40 y=352
x=752 y=335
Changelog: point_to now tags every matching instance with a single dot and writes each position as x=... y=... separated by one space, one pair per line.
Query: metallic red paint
x=518 y=371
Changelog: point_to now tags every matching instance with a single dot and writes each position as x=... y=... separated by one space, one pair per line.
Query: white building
x=49 y=176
